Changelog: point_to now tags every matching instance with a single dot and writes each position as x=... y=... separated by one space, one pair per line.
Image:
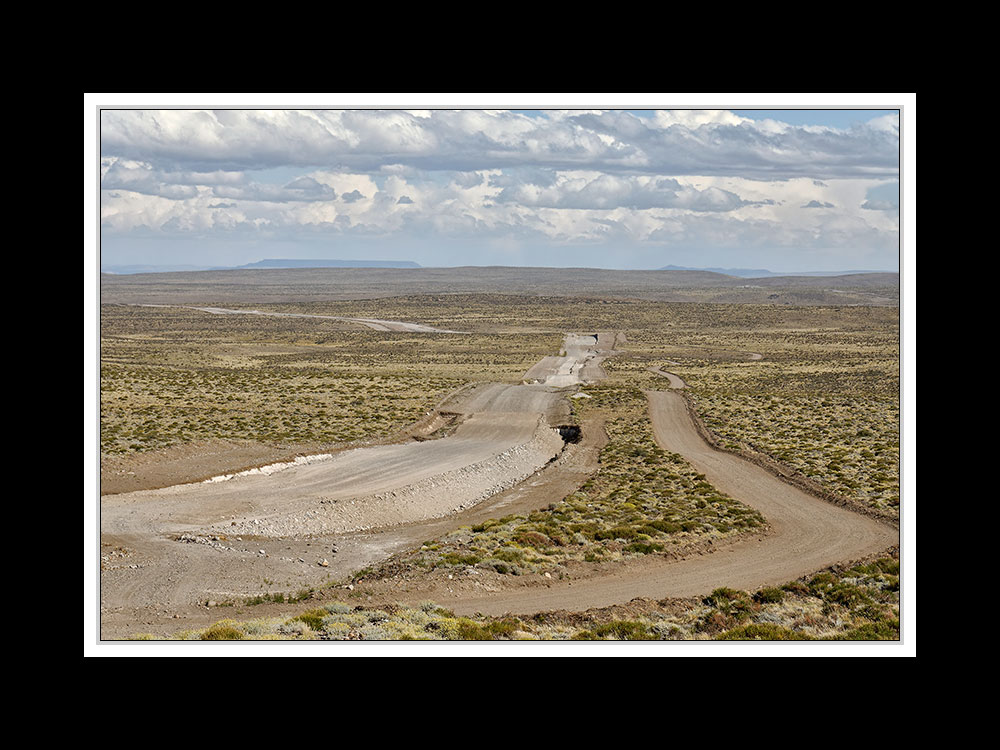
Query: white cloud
x=694 y=118
x=604 y=192
x=697 y=177
x=668 y=143
x=886 y=123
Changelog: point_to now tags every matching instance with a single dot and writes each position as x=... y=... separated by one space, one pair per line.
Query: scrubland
x=171 y=376
x=641 y=500
x=858 y=601
x=822 y=398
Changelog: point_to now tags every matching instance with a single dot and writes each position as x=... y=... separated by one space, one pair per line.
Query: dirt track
x=232 y=539
x=165 y=550
x=806 y=535
x=373 y=323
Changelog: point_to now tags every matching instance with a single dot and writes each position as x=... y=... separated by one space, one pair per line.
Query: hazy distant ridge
x=318 y=263
x=267 y=263
x=262 y=286
x=761 y=273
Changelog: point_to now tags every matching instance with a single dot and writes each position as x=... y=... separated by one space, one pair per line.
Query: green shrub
x=769 y=595
x=846 y=595
x=624 y=630
x=722 y=596
x=457 y=558
x=468 y=630
x=887 y=630
x=313 y=618
x=532 y=539
x=225 y=630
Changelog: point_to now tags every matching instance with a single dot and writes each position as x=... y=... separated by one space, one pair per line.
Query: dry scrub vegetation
x=171 y=376
x=824 y=399
x=642 y=500
x=857 y=602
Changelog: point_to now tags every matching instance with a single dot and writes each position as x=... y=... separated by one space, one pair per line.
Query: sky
x=782 y=189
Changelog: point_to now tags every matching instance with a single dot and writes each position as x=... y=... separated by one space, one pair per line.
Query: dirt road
x=168 y=549
x=580 y=362
x=806 y=534
x=373 y=323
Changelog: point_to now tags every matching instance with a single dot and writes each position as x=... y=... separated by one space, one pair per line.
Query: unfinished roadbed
x=168 y=549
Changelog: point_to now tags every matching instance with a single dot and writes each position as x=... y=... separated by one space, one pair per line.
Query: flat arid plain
x=499 y=454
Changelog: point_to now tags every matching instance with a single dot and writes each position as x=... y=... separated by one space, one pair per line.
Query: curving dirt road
x=674 y=380
x=310 y=522
x=806 y=534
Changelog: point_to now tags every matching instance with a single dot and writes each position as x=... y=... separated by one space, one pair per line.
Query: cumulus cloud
x=143 y=177
x=698 y=178
x=669 y=142
x=306 y=188
x=693 y=118
x=884 y=197
x=254 y=191
x=468 y=179
x=886 y=123
x=605 y=192
x=876 y=205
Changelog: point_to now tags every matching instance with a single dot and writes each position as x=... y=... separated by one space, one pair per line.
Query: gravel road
x=174 y=546
x=806 y=534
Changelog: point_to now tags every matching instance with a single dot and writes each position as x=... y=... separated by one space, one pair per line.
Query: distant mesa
x=319 y=263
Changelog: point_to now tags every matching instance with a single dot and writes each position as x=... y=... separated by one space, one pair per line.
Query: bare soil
x=191 y=462
x=166 y=552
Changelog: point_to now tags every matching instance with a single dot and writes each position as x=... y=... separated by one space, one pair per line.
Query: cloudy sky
x=787 y=190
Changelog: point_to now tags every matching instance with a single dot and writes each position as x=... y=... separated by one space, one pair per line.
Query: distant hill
x=762 y=273
x=256 y=286
x=150 y=269
x=268 y=263
x=319 y=263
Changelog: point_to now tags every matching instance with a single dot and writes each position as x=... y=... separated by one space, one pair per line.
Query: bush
x=624 y=630
x=224 y=630
x=769 y=595
x=532 y=539
x=887 y=630
x=495 y=630
x=313 y=618
x=722 y=596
